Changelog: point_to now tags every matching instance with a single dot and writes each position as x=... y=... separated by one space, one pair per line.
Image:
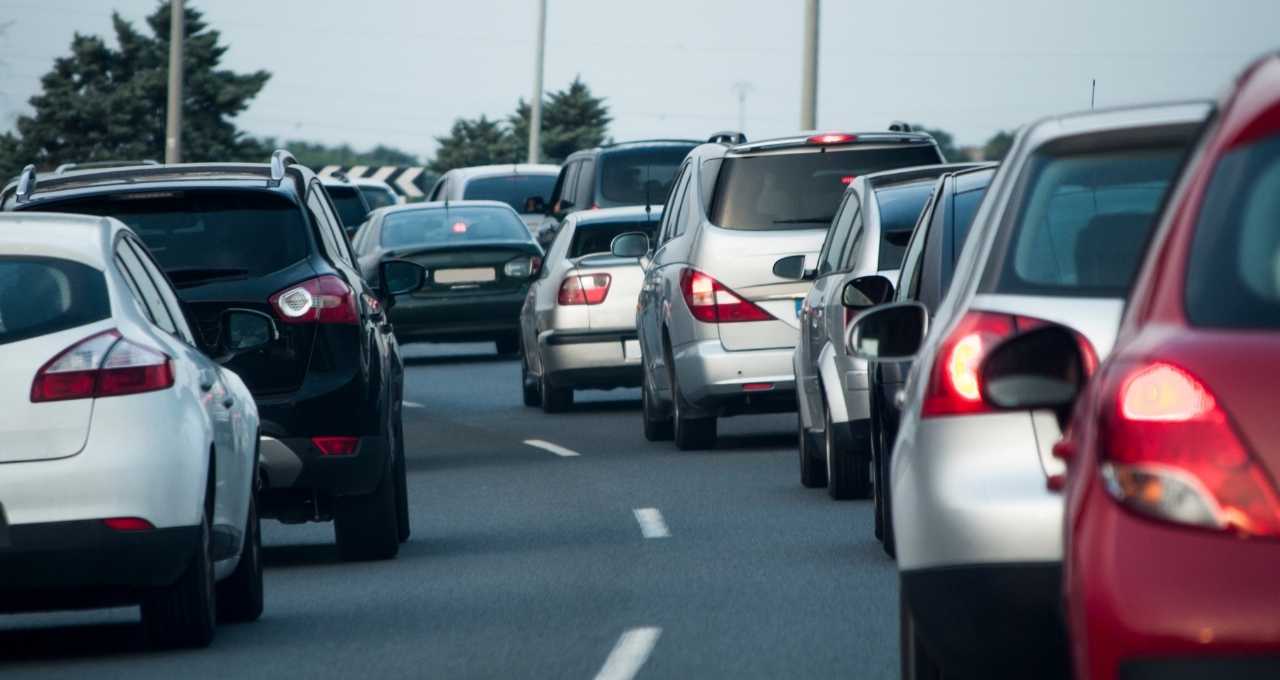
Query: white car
x=127 y=456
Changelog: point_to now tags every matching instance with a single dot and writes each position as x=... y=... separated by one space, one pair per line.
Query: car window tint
x=350 y=204
x=441 y=226
x=167 y=295
x=668 y=210
x=679 y=203
x=900 y=208
x=377 y=197
x=39 y=296
x=639 y=175
x=567 y=187
x=833 y=246
x=596 y=237
x=514 y=189
x=586 y=180
x=150 y=294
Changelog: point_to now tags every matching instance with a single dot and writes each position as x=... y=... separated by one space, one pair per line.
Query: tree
x=476 y=141
x=946 y=143
x=316 y=155
x=996 y=147
x=572 y=119
x=103 y=102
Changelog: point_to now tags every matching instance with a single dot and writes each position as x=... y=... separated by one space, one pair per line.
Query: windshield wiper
x=803 y=220
x=186 y=277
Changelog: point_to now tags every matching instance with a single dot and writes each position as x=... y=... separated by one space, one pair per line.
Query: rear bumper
x=296 y=463
x=713 y=379
x=470 y=317
x=590 y=359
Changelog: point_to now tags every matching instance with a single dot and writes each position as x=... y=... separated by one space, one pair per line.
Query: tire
x=813 y=474
x=657 y=425
x=507 y=345
x=848 y=471
x=690 y=434
x=240 y=594
x=914 y=660
x=403 y=529
x=366 y=526
x=185 y=613
x=554 y=399
x=528 y=386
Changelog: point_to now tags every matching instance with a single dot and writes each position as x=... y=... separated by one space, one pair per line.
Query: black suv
x=267 y=237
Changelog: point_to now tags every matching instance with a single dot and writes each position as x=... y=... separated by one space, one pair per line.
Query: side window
x=833 y=246
x=908 y=284
x=316 y=206
x=437 y=191
x=171 y=302
x=150 y=294
x=586 y=185
x=708 y=175
x=681 y=195
x=335 y=228
x=133 y=287
x=570 y=184
x=668 y=209
x=853 y=243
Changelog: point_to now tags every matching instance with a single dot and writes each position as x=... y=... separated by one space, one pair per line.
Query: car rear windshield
x=1084 y=221
x=900 y=208
x=352 y=209
x=1233 y=276
x=800 y=190
x=639 y=176
x=377 y=197
x=39 y=296
x=444 y=226
x=597 y=237
x=202 y=235
x=514 y=190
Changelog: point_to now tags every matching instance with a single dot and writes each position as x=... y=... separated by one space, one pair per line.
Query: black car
x=481 y=259
x=266 y=237
x=350 y=202
x=927 y=268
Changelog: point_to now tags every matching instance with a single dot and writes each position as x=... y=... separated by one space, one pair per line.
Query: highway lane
x=528 y=563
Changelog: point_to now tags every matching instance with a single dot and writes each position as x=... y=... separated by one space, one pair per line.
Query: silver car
x=717 y=325
x=978 y=528
x=578 y=323
x=523 y=186
x=867 y=238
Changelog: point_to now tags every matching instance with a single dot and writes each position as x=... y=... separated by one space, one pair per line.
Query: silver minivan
x=716 y=325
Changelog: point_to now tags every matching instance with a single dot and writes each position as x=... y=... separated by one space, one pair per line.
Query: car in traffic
x=1057 y=239
x=130 y=455
x=481 y=260
x=614 y=175
x=578 y=322
x=717 y=325
x=1173 y=450
x=526 y=187
x=377 y=193
x=868 y=235
x=328 y=384
x=349 y=201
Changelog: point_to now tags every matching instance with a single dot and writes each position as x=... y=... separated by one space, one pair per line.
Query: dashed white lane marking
x=553 y=448
x=651 y=523
x=412 y=404
x=629 y=654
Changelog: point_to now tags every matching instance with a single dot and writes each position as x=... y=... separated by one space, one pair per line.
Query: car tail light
x=587 y=289
x=833 y=138
x=522 y=267
x=324 y=299
x=1169 y=451
x=336 y=446
x=103 y=365
x=128 y=524
x=711 y=302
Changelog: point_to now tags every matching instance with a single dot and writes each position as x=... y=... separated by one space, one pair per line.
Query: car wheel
x=915 y=662
x=402 y=485
x=813 y=475
x=528 y=385
x=690 y=434
x=554 y=399
x=240 y=594
x=507 y=345
x=848 y=471
x=185 y=613
x=365 y=526
x=657 y=425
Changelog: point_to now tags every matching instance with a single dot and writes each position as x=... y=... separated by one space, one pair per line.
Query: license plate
x=631 y=349
x=472 y=275
x=799 y=306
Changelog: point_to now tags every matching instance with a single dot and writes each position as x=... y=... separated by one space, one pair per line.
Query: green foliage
x=316 y=155
x=105 y=102
x=477 y=141
x=996 y=147
x=946 y=143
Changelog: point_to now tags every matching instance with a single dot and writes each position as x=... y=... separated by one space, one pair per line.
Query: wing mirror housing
x=794 y=268
x=866 y=292
x=244 y=330
x=1044 y=368
x=888 y=333
x=399 y=277
x=630 y=244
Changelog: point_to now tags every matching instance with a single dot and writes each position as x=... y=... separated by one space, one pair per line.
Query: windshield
x=514 y=190
x=39 y=296
x=900 y=208
x=597 y=237
x=640 y=176
x=352 y=209
x=378 y=197
x=1233 y=277
x=444 y=226
x=800 y=190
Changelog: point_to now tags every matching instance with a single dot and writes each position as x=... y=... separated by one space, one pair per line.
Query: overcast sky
x=399 y=71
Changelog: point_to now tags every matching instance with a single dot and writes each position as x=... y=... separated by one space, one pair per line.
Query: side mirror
x=244 y=330
x=792 y=267
x=630 y=244
x=535 y=204
x=1043 y=368
x=892 y=332
x=400 y=277
x=865 y=292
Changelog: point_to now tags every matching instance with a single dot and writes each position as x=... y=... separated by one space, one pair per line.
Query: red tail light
x=833 y=138
x=324 y=299
x=1169 y=451
x=103 y=365
x=336 y=446
x=589 y=289
x=128 y=524
x=711 y=302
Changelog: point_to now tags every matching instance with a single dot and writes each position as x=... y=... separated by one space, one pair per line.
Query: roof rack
x=900 y=126
x=26 y=184
x=730 y=137
x=280 y=160
x=95 y=165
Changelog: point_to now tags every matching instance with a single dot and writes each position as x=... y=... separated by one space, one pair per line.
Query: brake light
x=1169 y=451
x=833 y=138
x=336 y=446
x=128 y=524
x=588 y=289
x=103 y=365
x=324 y=299
x=711 y=302
x=522 y=267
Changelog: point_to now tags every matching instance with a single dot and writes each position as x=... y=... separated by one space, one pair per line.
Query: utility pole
x=742 y=89
x=173 y=121
x=535 y=108
x=1093 y=93
x=809 y=86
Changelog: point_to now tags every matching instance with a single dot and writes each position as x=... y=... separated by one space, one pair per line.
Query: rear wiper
x=802 y=220
x=186 y=277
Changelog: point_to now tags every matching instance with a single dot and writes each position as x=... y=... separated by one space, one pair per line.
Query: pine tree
x=572 y=119
x=476 y=141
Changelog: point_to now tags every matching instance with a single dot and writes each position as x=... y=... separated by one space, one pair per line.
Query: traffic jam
x=1041 y=381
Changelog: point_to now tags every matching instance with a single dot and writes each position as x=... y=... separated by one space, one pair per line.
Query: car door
x=658 y=286
x=540 y=302
x=813 y=309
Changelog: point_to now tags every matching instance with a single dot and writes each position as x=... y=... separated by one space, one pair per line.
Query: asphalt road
x=529 y=564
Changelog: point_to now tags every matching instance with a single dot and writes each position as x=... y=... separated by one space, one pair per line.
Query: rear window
x=377 y=197
x=352 y=209
x=1083 y=226
x=900 y=208
x=1233 y=277
x=514 y=190
x=596 y=237
x=443 y=226
x=800 y=190
x=198 y=236
x=39 y=296
x=640 y=176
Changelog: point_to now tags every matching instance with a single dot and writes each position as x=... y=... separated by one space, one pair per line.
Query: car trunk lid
x=618 y=311
x=469 y=270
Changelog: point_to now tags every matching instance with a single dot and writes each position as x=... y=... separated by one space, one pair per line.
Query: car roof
x=629 y=213
x=801 y=141
x=440 y=205
x=917 y=173
x=974 y=178
x=499 y=170
x=635 y=144
x=1052 y=128
x=171 y=177
x=82 y=238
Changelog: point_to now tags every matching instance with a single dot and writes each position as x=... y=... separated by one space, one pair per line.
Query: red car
x=1171 y=566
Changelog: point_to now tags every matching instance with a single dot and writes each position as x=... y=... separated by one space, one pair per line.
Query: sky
x=398 y=72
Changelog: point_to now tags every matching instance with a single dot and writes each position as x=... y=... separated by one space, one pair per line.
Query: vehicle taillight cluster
x=586 y=289
x=103 y=365
x=710 y=301
x=522 y=267
x=324 y=299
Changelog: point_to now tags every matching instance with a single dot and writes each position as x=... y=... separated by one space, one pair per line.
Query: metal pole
x=535 y=113
x=742 y=88
x=1093 y=93
x=809 y=87
x=173 y=121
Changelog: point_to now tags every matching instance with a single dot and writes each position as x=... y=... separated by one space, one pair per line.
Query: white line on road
x=553 y=448
x=629 y=654
x=651 y=523
x=412 y=404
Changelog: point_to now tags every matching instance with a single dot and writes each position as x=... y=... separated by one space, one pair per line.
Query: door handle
x=228 y=402
x=205 y=386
